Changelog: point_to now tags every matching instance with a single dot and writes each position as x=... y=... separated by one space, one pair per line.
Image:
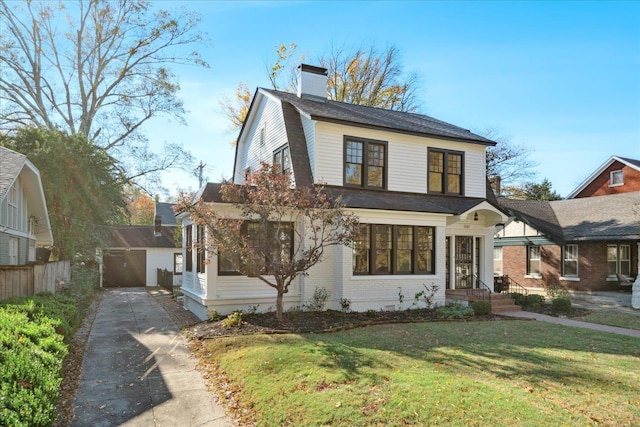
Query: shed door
x=125 y=268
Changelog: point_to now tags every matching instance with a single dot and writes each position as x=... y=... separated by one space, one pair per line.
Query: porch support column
x=635 y=293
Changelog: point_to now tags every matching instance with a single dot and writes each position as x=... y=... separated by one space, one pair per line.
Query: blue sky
x=562 y=78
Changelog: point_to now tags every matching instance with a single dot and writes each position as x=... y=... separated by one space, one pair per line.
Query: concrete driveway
x=138 y=371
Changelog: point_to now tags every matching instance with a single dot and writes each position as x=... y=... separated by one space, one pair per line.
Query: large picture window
x=618 y=259
x=365 y=163
x=394 y=249
x=445 y=172
x=570 y=261
x=258 y=239
x=533 y=261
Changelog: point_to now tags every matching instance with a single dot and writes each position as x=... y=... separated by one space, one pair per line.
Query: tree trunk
x=279 y=304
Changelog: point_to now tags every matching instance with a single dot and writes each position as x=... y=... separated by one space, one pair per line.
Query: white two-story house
x=417 y=184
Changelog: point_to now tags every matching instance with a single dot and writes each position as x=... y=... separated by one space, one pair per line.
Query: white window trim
x=572 y=277
x=612 y=174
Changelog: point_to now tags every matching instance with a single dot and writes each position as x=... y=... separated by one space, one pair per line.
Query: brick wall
x=600 y=185
x=592 y=266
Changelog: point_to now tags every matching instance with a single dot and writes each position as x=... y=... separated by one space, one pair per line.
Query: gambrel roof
x=611 y=217
x=14 y=165
x=377 y=118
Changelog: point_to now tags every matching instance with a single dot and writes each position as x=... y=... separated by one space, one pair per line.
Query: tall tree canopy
x=278 y=233
x=533 y=191
x=82 y=185
x=358 y=75
x=508 y=160
x=97 y=68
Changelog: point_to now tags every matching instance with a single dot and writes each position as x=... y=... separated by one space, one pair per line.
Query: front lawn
x=613 y=318
x=437 y=373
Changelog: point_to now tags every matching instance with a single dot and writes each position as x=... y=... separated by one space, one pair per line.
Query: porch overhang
x=485 y=212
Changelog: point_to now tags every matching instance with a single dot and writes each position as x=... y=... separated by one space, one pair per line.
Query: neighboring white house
x=417 y=184
x=24 y=220
x=136 y=252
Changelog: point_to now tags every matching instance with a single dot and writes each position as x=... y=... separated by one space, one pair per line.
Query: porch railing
x=506 y=283
x=480 y=291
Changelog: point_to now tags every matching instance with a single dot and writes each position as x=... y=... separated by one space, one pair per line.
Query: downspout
x=635 y=292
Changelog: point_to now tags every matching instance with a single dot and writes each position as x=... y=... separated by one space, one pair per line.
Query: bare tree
x=97 y=68
x=507 y=160
x=278 y=233
x=364 y=76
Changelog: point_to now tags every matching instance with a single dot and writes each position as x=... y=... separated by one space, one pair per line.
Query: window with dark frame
x=228 y=266
x=570 y=261
x=445 y=172
x=365 y=163
x=393 y=249
x=177 y=263
x=282 y=159
x=200 y=249
x=189 y=247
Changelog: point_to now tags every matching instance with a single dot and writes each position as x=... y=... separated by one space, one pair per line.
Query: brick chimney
x=158 y=226
x=312 y=82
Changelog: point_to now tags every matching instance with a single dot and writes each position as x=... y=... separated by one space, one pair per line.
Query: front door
x=464 y=262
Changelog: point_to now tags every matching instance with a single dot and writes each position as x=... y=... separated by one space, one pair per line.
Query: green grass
x=460 y=373
x=612 y=318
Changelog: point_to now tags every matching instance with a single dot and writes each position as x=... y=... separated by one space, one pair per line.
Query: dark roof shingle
x=141 y=236
x=391 y=120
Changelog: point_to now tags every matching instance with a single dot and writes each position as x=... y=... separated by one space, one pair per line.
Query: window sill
x=616 y=185
x=533 y=276
x=390 y=276
x=570 y=279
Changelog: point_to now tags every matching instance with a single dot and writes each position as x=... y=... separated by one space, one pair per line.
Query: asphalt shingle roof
x=11 y=164
x=611 y=217
x=141 y=236
x=395 y=121
x=167 y=215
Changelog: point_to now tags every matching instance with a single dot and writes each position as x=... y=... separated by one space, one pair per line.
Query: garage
x=125 y=268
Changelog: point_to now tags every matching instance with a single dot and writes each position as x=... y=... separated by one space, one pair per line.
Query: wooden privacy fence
x=27 y=280
x=168 y=280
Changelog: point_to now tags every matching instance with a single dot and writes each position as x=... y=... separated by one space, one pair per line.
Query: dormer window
x=365 y=163
x=282 y=159
x=616 y=178
x=445 y=171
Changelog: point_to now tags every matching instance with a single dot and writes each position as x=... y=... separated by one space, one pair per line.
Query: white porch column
x=635 y=293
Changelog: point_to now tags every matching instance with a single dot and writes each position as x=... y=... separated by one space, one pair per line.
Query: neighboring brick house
x=403 y=174
x=616 y=175
x=580 y=244
x=24 y=219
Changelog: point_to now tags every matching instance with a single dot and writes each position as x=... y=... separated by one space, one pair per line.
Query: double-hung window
x=365 y=163
x=189 y=247
x=393 y=249
x=445 y=171
x=497 y=261
x=570 y=261
x=282 y=159
x=200 y=248
x=618 y=259
x=533 y=261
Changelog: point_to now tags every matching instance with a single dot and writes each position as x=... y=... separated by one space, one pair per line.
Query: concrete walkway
x=138 y=371
x=573 y=323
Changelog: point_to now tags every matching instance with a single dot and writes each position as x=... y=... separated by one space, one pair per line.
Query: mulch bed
x=306 y=322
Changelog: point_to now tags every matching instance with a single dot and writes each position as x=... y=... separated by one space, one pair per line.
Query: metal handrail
x=515 y=287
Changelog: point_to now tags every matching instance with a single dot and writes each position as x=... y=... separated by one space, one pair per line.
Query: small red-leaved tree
x=275 y=232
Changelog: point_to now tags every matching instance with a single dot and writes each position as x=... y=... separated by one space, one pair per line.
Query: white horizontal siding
x=407 y=158
x=309 y=127
x=268 y=115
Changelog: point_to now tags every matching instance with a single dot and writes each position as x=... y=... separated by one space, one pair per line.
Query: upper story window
x=282 y=159
x=445 y=171
x=365 y=163
x=616 y=178
x=570 y=261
